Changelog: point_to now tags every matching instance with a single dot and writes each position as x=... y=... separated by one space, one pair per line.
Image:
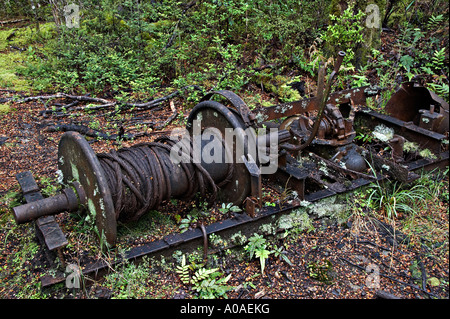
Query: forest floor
x=413 y=270
x=351 y=260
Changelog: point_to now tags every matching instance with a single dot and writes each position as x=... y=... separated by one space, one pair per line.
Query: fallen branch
x=13 y=21
x=104 y=103
x=153 y=103
x=170 y=118
x=58 y=109
x=391 y=278
x=64 y=95
x=381 y=294
x=91 y=132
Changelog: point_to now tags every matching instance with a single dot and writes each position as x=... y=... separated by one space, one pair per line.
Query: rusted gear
x=334 y=129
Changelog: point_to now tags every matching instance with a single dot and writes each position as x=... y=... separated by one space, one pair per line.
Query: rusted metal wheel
x=78 y=162
x=211 y=114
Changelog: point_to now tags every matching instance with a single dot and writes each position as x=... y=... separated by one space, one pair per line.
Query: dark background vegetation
x=141 y=46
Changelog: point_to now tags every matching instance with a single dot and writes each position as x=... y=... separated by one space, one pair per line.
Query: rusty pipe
x=69 y=200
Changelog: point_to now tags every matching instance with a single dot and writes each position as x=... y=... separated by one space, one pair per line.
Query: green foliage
x=128 y=280
x=262 y=253
x=435 y=21
x=198 y=210
x=440 y=88
x=131 y=44
x=280 y=253
x=186 y=222
x=209 y=283
x=321 y=270
x=238 y=238
x=48 y=186
x=255 y=242
x=259 y=247
x=395 y=198
x=11 y=199
x=345 y=33
x=229 y=208
x=420 y=52
x=11 y=9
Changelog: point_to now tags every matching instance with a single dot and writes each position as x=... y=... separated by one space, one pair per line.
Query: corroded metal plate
x=211 y=114
x=78 y=162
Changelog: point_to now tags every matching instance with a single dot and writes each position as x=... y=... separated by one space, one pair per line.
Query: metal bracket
x=254 y=200
x=48 y=230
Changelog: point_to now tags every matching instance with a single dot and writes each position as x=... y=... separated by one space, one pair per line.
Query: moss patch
x=8 y=77
x=12 y=41
x=4 y=108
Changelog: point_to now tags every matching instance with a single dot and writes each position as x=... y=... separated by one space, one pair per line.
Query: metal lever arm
x=322 y=96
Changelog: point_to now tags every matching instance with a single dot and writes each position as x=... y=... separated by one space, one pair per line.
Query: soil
x=354 y=260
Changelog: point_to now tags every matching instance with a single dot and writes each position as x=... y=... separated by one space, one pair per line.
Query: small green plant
x=365 y=138
x=270 y=204
x=281 y=254
x=217 y=241
x=229 y=208
x=238 y=238
x=186 y=222
x=441 y=89
x=48 y=187
x=262 y=253
x=394 y=198
x=257 y=246
x=209 y=283
x=435 y=21
x=321 y=270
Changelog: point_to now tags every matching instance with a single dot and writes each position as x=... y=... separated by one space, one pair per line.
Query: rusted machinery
x=315 y=151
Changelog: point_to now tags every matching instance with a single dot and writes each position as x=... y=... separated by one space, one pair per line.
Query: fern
x=209 y=283
x=434 y=21
x=438 y=58
x=211 y=288
x=203 y=274
x=441 y=89
x=183 y=271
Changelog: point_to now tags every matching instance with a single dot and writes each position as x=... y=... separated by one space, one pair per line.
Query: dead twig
x=13 y=21
x=170 y=118
x=91 y=132
x=104 y=103
x=64 y=95
x=385 y=295
x=392 y=279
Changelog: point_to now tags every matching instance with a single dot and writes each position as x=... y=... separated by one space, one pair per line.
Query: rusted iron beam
x=356 y=96
x=413 y=133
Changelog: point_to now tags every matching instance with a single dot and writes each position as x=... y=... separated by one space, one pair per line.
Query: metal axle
x=69 y=200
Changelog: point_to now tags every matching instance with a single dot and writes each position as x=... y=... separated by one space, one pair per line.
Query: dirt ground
x=355 y=260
